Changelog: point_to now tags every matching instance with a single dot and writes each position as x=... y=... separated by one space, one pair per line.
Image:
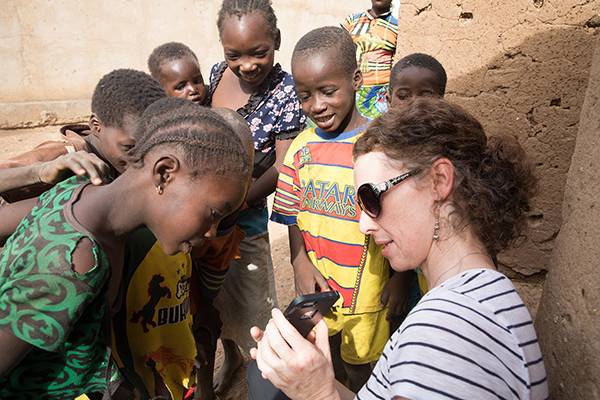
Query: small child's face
x=326 y=91
x=413 y=82
x=182 y=78
x=381 y=4
x=249 y=47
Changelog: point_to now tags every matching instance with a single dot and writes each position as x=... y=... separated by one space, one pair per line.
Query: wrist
x=36 y=174
x=330 y=392
x=302 y=264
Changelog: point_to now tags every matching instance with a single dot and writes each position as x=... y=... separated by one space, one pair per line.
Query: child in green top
x=188 y=171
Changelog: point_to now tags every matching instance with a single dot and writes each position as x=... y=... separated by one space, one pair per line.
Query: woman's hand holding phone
x=300 y=367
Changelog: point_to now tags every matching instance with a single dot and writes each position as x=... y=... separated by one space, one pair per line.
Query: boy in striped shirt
x=375 y=33
x=316 y=198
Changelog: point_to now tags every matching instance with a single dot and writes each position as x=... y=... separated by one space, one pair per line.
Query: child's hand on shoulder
x=81 y=163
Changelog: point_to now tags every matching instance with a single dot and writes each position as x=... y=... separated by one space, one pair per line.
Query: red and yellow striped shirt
x=315 y=191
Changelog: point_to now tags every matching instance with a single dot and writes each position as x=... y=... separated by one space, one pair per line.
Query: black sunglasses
x=369 y=194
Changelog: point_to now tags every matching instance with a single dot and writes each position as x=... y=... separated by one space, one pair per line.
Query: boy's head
x=119 y=100
x=177 y=69
x=379 y=7
x=327 y=77
x=416 y=75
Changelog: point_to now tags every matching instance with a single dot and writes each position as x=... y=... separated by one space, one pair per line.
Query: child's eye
x=231 y=57
x=260 y=54
x=180 y=86
x=329 y=92
x=303 y=97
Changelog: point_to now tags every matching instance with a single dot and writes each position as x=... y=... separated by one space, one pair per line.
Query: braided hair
x=207 y=142
x=240 y=8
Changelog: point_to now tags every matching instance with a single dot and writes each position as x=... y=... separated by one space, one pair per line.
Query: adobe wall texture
x=54 y=52
x=522 y=68
x=569 y=318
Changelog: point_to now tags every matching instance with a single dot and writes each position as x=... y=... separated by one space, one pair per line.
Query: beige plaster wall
x=54 y=52
x=522 y=68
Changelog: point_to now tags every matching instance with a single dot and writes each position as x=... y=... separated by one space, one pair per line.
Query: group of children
x=149 y=240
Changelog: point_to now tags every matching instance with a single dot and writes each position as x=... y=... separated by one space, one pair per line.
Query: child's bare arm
x=11 y=215
x=307 y=277
x=12 y=178
x=50 y=172
x=266 y=184
x=13 y=350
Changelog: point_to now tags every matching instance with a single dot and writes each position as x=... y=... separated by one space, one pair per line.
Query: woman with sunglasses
x=436 y=193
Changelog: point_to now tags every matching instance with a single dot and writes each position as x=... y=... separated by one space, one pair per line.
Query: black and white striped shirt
x=470 y=338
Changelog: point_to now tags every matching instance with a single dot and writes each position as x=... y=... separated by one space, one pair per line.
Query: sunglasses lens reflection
x=368 y=200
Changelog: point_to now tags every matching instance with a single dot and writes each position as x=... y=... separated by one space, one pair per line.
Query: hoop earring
x=436 y=229
x=159 y=190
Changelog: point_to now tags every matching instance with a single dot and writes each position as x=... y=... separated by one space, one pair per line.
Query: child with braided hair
x=251 y=83
x=188 y=170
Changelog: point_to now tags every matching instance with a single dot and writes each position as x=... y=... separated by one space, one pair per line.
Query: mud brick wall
x=569 y=318
x=522 y=68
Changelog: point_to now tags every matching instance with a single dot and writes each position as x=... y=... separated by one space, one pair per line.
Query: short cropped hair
x=124 y=92
x=329 y=38
x=425 y=61
x=167 y=52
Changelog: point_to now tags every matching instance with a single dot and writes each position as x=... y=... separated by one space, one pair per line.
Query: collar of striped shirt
x=379 y=16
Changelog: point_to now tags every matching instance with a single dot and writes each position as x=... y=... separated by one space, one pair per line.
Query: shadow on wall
x=534 y=91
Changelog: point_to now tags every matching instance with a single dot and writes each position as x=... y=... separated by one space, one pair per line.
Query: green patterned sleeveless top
x=45 y=303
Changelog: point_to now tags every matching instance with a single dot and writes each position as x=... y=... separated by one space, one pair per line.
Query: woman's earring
x=436 y=229
x=159 y=190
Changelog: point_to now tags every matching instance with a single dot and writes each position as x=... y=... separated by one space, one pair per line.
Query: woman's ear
x=357 y=79
x=163 y=171
x=442 y=171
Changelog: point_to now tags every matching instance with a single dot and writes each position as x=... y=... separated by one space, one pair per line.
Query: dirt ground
x=13 y=142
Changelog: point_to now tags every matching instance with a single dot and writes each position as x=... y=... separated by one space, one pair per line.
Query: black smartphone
x=306 y=310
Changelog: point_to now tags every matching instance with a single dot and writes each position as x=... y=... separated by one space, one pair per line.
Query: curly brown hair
x=494 y=180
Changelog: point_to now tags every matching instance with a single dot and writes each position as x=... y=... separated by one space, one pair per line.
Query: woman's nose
x=366 y=224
